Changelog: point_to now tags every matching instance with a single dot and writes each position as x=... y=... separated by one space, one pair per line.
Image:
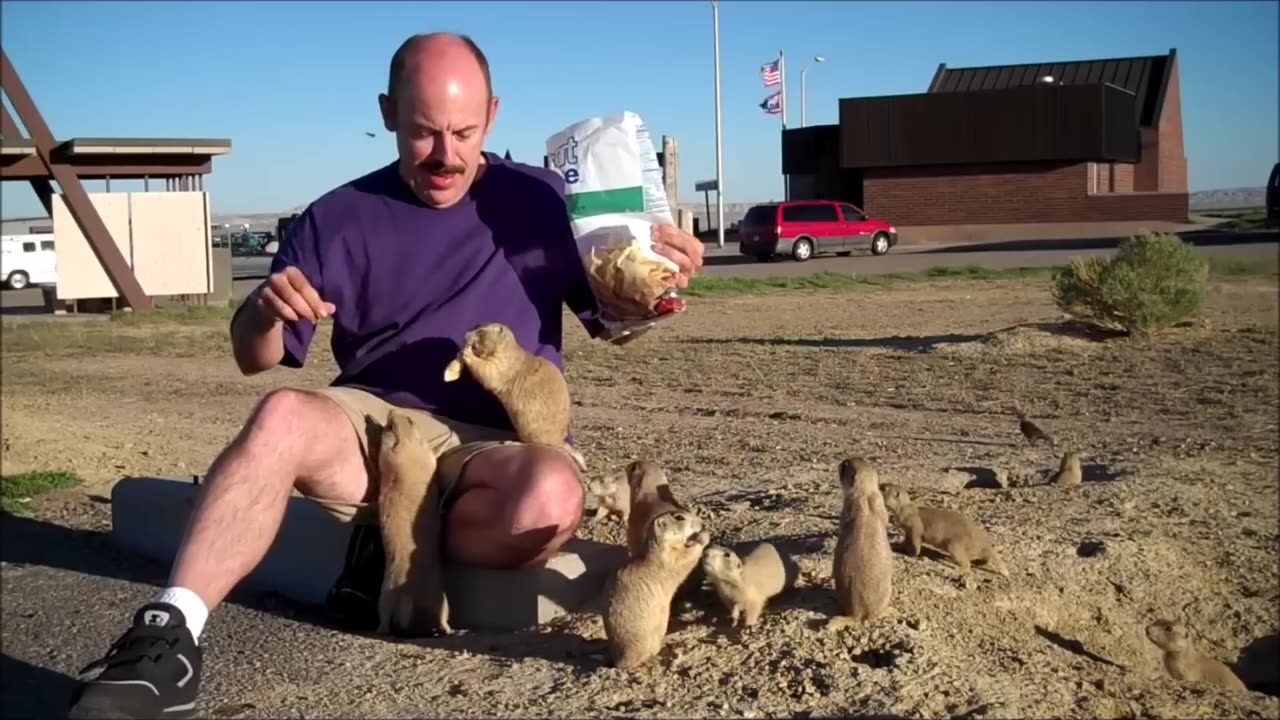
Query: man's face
x=440 y=117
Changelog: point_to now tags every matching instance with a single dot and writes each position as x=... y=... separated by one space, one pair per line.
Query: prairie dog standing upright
x=650 y=497
x=953 y=533
x=1069 y=473
x=640 y=594
x=863 y=567
x=530 y=388
x=1184 y=663
x=412 y=601
x=745 y=585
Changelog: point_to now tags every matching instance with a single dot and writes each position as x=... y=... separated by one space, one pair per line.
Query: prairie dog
x=745 y=585
x=650 y=496
x=612 y=497
x=530 y=388
x=964 y=540
x=1184 y=663
x=863 y=568
x=1069 y=472
x=412 y=601
x=639 y=595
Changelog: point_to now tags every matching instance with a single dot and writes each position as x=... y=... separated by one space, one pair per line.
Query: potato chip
x=453 y=370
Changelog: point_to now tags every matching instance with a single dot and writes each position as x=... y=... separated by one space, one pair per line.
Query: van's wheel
x=17 y=280
x=802 y=250
x=879 y=244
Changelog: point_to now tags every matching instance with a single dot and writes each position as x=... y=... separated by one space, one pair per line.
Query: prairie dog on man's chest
x=863 y=566
x=530 y=388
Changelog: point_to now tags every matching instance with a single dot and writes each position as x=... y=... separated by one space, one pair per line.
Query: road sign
x=705 y=186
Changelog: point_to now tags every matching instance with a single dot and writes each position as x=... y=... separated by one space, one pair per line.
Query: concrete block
x=149 y=516
x=572 y=581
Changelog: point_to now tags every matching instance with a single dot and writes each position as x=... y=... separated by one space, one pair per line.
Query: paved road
x=1014 y=253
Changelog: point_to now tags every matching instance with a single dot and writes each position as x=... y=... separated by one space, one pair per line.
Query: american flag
x=770 y=73
x=772 y=105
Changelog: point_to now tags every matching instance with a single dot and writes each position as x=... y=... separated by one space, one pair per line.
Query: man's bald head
x=440 y=104
x=414 y=49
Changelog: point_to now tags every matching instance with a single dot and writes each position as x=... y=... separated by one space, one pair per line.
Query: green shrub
x=1152 y=282
x=17 y=490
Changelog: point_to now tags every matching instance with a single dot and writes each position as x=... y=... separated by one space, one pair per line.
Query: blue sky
x=294 y=84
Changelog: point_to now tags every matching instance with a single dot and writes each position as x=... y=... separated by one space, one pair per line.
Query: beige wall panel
x=171 y=242
x=80 y=273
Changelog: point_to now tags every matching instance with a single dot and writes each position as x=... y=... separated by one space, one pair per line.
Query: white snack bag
x=614 y=192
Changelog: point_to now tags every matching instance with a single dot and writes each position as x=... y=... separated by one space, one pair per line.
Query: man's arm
x=256 y=342
x=275 y=323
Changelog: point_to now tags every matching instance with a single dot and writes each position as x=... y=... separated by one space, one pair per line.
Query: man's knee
x=551 y=496
x=516 y=506
x=288 y=413
x=312 y=439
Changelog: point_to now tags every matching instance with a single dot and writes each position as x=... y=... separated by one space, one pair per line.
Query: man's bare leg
x=516 y=506
x=293 y=439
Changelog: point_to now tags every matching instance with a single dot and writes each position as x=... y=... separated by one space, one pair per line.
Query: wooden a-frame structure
x=38 y=159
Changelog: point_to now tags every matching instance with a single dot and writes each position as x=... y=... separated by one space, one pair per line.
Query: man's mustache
x=439 y=167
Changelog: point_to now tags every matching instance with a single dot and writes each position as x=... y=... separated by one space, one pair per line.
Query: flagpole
x=782 y=81
x=715 y=45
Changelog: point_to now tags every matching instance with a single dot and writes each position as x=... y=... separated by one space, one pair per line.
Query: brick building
x=1041 y=149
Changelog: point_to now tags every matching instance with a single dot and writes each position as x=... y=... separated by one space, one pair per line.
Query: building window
x=46 y=245
x=28 y=247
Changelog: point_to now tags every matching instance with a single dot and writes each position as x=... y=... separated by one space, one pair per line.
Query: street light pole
x=803 y=90
x=715 y=47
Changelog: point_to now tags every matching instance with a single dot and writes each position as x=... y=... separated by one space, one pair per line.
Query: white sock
x=190 y=604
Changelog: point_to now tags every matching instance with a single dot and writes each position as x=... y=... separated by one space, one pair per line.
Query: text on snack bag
x=565 y=159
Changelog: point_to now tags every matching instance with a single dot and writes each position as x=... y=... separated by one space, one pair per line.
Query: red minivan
x=803 y=228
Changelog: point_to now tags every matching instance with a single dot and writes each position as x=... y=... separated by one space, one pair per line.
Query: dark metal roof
x=1145 y=77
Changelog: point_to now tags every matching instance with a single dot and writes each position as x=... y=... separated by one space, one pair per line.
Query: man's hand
x=288 y=296
x=681 y=248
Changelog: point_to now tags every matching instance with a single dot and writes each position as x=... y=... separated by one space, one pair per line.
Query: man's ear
x=387 y=106
x=493 y=113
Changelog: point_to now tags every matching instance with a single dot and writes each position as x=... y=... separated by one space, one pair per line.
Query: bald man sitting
x=402 y=261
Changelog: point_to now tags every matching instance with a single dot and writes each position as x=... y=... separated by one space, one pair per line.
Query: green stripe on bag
x=599 y=202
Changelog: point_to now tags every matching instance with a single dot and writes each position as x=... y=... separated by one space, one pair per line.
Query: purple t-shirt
x=408 y=280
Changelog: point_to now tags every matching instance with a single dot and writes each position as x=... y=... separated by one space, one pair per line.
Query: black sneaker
x=152 y=671
x=353 y=599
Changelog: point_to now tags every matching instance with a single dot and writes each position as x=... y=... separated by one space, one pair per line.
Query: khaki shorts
x=453 y=442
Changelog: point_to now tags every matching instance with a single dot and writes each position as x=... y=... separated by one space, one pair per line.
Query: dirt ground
x=750 y=403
